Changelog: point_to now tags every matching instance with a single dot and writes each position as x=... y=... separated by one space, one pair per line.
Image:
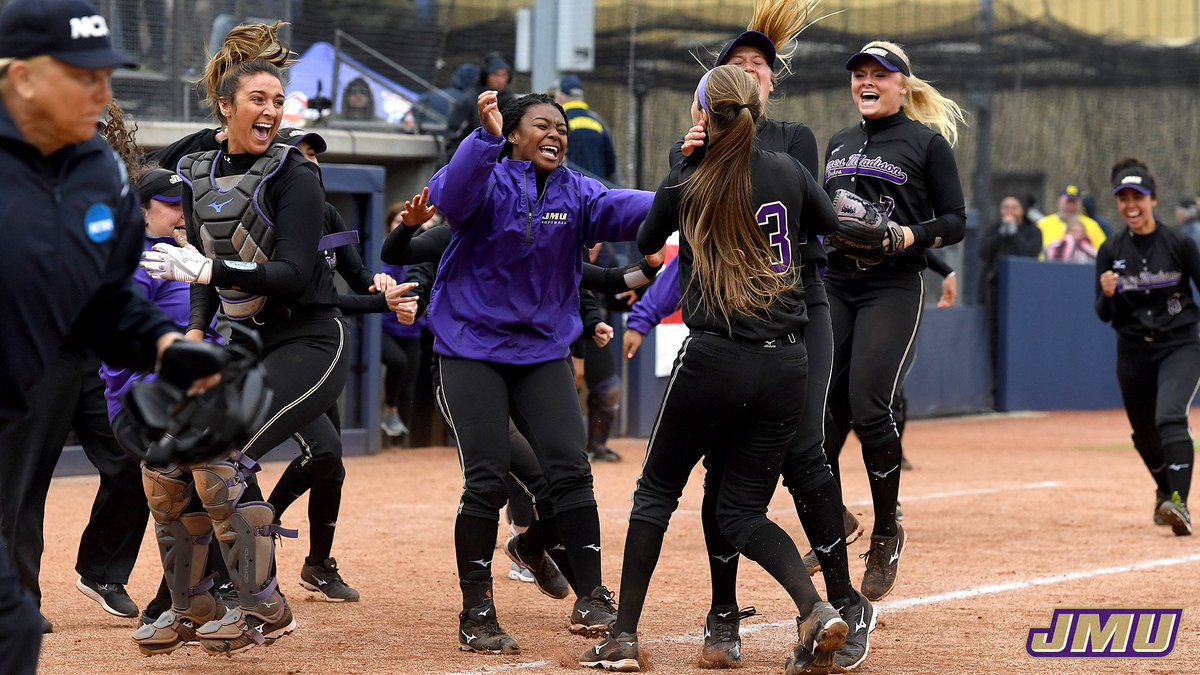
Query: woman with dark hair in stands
x=1145 y=274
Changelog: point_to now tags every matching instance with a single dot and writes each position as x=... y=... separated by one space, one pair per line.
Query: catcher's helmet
x=174 y=428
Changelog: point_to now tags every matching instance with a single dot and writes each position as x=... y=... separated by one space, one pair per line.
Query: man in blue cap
x=590 y=146
x=72 y=234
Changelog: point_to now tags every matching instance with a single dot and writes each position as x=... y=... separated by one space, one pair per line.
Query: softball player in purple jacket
x=1145 y=274
x=504 y=312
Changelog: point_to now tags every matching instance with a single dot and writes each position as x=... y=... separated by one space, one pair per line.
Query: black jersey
x=787 y=202
x=297 y=276
x=910 y=169
x=792 y=138
x=1153 y=298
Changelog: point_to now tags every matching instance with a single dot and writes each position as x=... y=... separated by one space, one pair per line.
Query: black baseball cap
x=750 y=38
x=1071 y=191
x=161 y=185
x=1135 y=178
x=71 y=31
x=293 y=136
x=884 y=57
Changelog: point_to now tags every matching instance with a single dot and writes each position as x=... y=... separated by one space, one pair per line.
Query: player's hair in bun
x=248 y=50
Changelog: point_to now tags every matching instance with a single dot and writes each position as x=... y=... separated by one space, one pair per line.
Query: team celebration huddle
x=799 y=277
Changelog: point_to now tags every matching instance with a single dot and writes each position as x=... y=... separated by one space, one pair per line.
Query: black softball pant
x=739 y=403
x=402 y=356
x=71 y=396
x=307 y=362
x=478 y=399
x=806 y=471
x=875 y=314
x=1158 y=384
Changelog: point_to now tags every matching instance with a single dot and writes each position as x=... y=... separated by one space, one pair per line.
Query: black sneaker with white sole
x=859 y=615
x=479 y=632
x=112 y=598
x=594 y=614
x=619 y=653
x=722 y=636
x=821 y=634
x=326 y=580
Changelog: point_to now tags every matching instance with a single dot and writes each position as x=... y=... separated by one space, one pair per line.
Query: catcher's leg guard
x=247 y=540
x=184 y=547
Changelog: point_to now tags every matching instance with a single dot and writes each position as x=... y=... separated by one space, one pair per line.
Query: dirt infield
x=1008 y=519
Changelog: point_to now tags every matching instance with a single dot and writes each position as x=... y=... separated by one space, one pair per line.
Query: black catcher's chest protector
x=235 y=224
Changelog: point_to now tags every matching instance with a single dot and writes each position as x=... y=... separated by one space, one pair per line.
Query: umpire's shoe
x=854 y=530
x=594 y=614
x=112 y=598
x=859 y=615
x=883 y=562
x=722 y=639
x=1175 y=513
x=821 y=634
x=619 y=652
x=325 y=579
x=479 y=632
x=549 y=579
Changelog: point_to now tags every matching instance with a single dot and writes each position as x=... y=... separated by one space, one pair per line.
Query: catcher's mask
x=175 y=428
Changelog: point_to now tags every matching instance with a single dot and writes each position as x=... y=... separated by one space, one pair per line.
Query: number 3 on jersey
x=772 y=218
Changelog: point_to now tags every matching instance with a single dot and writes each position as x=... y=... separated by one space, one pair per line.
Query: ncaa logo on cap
x=83 y=27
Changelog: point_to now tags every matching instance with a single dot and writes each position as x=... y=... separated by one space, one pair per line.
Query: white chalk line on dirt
x=904 y=498
x=883 y=608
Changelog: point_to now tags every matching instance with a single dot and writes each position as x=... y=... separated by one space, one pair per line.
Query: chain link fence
x=1055 y=90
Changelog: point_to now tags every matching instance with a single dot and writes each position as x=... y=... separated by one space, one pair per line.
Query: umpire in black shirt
x=72 y=234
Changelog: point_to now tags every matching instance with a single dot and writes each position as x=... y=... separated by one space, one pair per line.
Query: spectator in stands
x=1015 y=235
x=358 y=102
x=1056 y=226
x=433 y=108
x=495 y=75
x=1186 y=219
x=590 y=148
x=1074 y=247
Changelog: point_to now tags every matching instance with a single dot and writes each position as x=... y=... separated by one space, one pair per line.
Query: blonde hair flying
x=923 y=102
x=782 y=21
